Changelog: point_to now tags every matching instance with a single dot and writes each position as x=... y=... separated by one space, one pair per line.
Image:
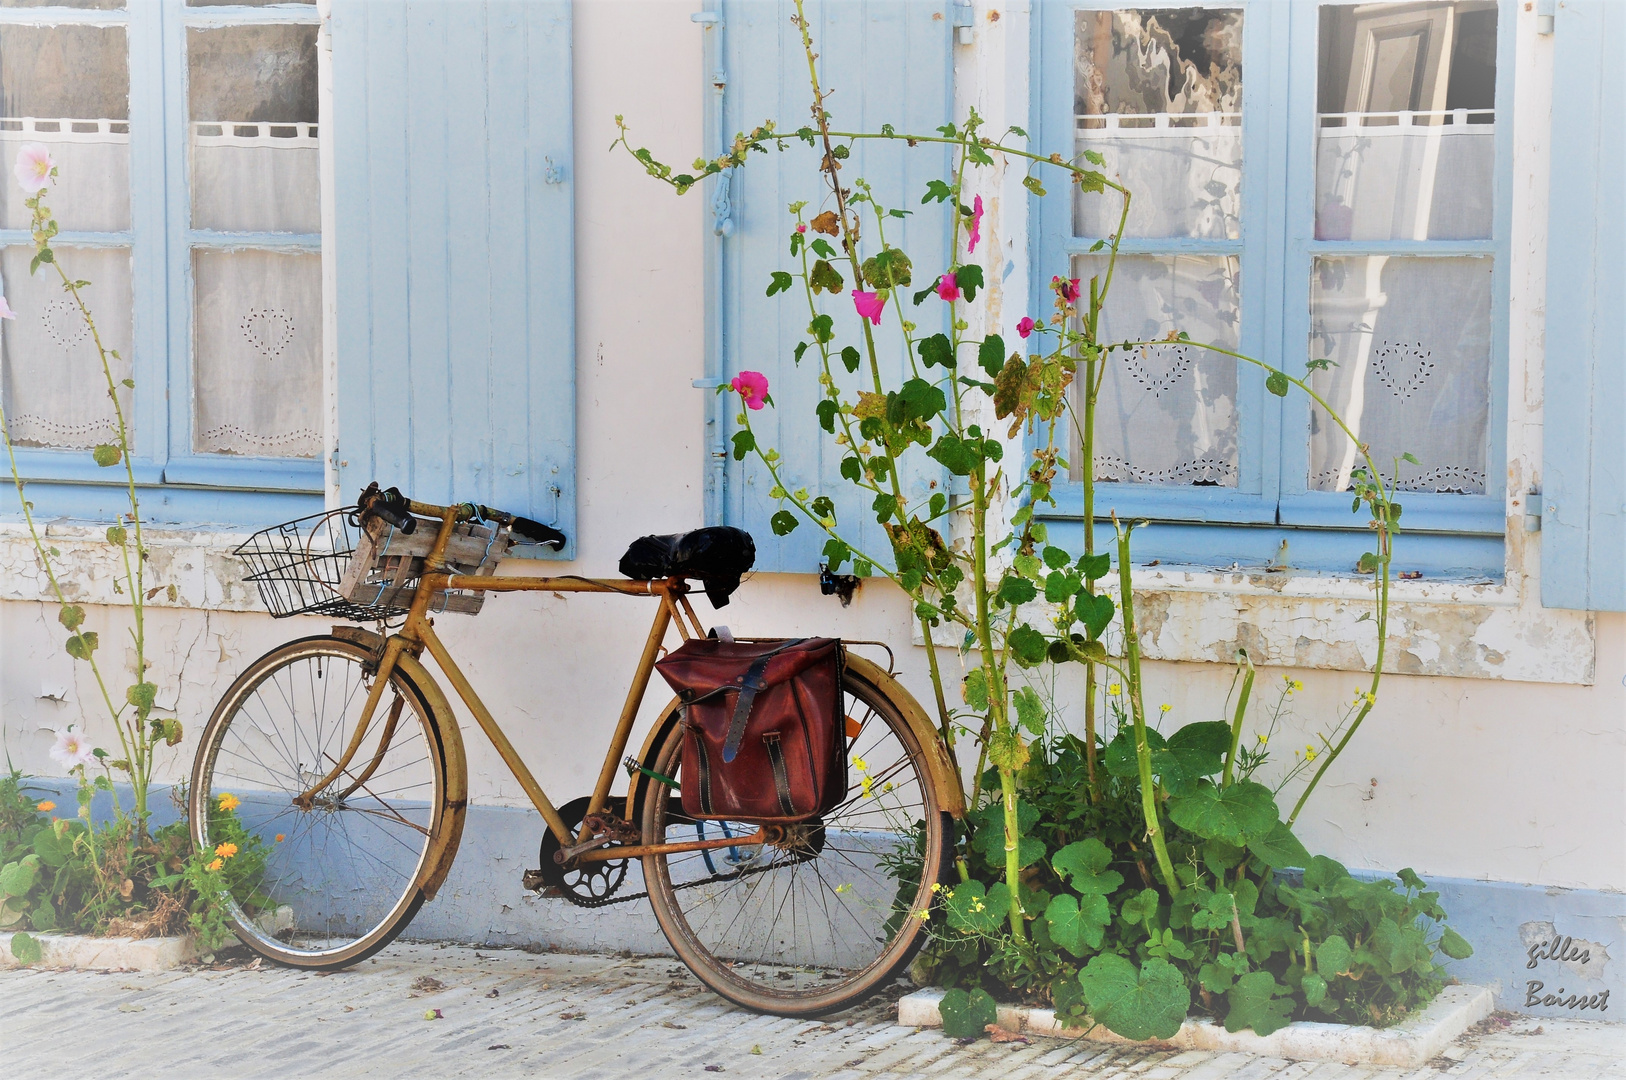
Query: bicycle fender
x=455 y=777
x=945 y=780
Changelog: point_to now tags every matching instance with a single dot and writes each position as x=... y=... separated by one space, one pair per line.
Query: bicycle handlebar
x=391 y=506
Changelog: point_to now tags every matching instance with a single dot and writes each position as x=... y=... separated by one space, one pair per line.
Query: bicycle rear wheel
x=822 y=919
x=326 y=886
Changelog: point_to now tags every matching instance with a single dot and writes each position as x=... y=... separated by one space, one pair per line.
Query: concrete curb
x=96 y=953
x=1411 y=1043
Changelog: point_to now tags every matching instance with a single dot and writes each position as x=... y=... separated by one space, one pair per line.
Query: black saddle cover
x=719 y=556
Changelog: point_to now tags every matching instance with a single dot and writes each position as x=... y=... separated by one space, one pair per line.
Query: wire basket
x=326 y=564
x=299 y=567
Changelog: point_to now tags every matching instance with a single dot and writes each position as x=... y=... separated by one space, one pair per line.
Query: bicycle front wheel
x=330 y=883
x=831 y=912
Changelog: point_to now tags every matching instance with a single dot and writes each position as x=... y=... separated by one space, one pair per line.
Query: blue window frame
x=1255 y=503
x=183 y=482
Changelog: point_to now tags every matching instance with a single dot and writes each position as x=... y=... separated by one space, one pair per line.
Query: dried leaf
x=827 y=223
x=1000 y=1035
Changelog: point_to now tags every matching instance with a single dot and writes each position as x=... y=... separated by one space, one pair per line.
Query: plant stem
x=1241 y=712
x=1143 y=753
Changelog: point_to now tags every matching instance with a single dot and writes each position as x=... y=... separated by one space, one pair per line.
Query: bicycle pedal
x=534 y=881
x=614 y=828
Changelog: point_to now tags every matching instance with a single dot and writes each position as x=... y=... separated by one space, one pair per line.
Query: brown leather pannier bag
x=764 y=732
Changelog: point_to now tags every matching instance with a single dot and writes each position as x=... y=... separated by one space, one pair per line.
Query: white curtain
x=92 y=192
x=1404 y=176
x=1167 y=412
x=55 y=390
x=1410 y=338
x=257 y=353
x=255 y=177
x=1184 y=170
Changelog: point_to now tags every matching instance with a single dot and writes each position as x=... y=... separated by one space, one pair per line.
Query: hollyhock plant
x=752 y=386
x=976 y=224
x=1066 y=288
x=34 y=167
x=1025 y=327
x=71 y=749
x=947 y=288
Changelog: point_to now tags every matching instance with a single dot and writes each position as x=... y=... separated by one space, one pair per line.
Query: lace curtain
x=55 y=391
x=1404 y=176
x=1167 y=412
x=1410 y=340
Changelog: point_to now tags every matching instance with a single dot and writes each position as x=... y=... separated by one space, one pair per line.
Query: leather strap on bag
x=749 y=685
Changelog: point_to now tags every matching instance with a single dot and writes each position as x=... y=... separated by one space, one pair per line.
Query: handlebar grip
x=389 y=505
x=537 y=532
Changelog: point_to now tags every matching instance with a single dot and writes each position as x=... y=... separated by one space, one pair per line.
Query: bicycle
x=344 y=761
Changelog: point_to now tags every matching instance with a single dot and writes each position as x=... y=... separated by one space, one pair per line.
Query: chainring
x=586 y=884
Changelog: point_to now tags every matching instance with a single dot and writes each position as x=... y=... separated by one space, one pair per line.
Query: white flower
x=34 y=166
x=71 y=749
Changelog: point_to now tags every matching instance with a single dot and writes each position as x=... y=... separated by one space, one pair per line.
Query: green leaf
x=969 y=279
x=967 y=1014
x=1094 y=158
x=827 y=278
x=991 y=355
x=1332 y=956
x=1077 y=924
x=744 y=443
x=975 y=910
x=1083 y=865
x=1095 y=567
x=976 y=689
x=826 y=410
x=958 y=456
x=107 y=455
x=937 y=191
x=1033 y=184
x=888 y=269
x=82 y=644
x=801 y=348
x=850 y=358
x=1058 y=586
x=781 y=282
x=1092 y=181
x=824 y=507
x=1368 y=563
x=884 y=506
x=821 y=328
x=1028 y=646
x=1276 y=382
x=43 y=917
x=1016 y=591
x=1212 y=736
x=1148 y=1004
x=1140 y=908
x=71 y=616
x=18 y=877
x=822 y=248
x=1095 y=611
x=116 y=535
x=1238 y=814
x=937 y=350
x=1314 y=988
x=1280 y=848
x=26 y=948
x=141 y=695
x=836 y=552
x=921 y=400
x=1455 y=945
x=1254 y=1003
x=783 y=523
x=1120 y=757
x=1030 y=710
x=852 y=467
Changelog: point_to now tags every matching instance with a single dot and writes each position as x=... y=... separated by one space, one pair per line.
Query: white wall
x=1475 y=777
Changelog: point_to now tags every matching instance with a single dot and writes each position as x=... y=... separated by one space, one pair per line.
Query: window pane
x=1410 y=338
x=55 y=391
x=1406 y=132
x=1167 y=412
x=257 y=367
x=68 y=87
x=1158 y=93
x=97 y=5
x=253 y=110
x=243 y=3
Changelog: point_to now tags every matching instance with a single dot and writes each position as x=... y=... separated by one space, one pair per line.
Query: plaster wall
x=1465 y=770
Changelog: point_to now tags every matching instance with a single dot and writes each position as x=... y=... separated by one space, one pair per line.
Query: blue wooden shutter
x=1583 y=528
x=454 y=247
x=884 y=61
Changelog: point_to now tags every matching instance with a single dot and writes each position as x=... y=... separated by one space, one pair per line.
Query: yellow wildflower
x=1297 y=685
x=860 y=764
x=1263 y=739
x=924 y=914
x=1310 y=752
x=46 y=807
x=842 y=887
x=225 y=851
x=229 y=802
x=1115 y=689
x=937 y=886
x=1371 y=698
x=1164 y=708
x=215 y=864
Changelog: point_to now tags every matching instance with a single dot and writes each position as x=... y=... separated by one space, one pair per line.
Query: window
x=1311 y=181
x=187 y=140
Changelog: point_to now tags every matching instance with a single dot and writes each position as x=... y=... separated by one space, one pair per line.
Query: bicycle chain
x=606 y=901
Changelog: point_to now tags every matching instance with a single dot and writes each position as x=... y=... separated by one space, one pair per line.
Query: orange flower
x=226 y=851
x=280 y=838
x=215 y=864
x=46 y=806
x=229 y=802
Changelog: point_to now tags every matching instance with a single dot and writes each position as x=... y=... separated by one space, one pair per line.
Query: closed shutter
x=883 y=62
x=1583 y=527
x=454 y=247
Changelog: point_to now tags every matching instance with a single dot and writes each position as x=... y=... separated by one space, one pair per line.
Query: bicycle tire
x=759 y=965
x=326 y=896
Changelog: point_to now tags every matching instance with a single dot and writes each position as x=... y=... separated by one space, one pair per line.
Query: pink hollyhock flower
x=1066 y=288
x=71 y=749
x=948 y=288
x=801 y=228
x=869 y=305
x=976 y=223
x=1025 y=327
x=752 y=386
x=34 y=166
x=5 y=310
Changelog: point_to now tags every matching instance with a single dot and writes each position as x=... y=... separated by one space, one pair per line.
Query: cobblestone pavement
x=508 y=1013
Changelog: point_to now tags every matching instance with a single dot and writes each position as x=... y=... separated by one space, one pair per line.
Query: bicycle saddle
x=718 y=556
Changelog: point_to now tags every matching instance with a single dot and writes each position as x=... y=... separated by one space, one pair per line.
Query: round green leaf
x=26 y=948
x=966 y=1014
x=1148 y=1004
x=1332 y=956
x=1455 y=945
x=1238 y=814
